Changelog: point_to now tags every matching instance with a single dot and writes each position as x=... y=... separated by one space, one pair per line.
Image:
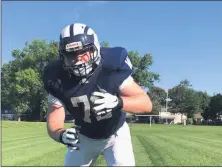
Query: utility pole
x=166 y=102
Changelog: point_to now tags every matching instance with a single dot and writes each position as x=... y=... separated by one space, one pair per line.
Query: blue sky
x=184 y=38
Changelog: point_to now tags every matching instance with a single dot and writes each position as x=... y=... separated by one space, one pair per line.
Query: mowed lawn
x=27 y=144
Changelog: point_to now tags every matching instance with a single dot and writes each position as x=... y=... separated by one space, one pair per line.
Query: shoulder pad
x=113 y=58
x=51 y=72
x=52 y=67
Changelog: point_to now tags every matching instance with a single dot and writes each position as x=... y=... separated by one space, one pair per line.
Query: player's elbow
x=148 y=106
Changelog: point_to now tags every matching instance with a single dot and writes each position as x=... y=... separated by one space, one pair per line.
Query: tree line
x=22 y=88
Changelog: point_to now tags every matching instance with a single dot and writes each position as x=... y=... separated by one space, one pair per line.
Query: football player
x=95 y=85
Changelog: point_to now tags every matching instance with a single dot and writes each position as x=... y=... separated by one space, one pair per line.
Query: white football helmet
x=77 y=39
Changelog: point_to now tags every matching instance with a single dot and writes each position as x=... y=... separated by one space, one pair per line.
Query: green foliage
x=141 y=65
x=156 y=107
x=204 y=100
x=141 y=73
x=214 y=110
x=187 y=100
x=185 y=83
x=158 y=98
x=183 y=99
x=159 y=94
x=27 y=81
x=105 y=44
x=22 y=88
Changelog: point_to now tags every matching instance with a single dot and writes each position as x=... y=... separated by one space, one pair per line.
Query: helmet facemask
x=79 y=68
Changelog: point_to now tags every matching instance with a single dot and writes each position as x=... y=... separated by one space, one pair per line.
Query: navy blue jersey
x=75 y=94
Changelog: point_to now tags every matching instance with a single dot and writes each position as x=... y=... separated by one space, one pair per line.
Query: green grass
x=27 y=144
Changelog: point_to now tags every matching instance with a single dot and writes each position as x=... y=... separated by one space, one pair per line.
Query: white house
x=172 y=117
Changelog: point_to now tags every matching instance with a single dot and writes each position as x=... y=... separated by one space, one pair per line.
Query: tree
x=105 y=44
x=141 y=65
x=185 y=83
x=141 y=73
x=6 y=87
x=214 y=110
x=159 y=94
x=183 y=99
x=204 y=100
x=158 y=98
x=22 y=87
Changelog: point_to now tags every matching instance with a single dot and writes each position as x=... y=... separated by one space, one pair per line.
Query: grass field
x=27 y=144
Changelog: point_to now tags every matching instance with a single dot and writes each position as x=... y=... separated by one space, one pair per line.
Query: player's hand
x=104 y=102
x=70 y=137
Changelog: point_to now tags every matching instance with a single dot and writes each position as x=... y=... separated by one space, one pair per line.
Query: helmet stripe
x=71 y=30
x=65 y=32
x=86 y=30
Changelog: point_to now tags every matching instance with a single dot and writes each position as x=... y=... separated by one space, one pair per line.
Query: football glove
x=69 y=137
x=104 y=102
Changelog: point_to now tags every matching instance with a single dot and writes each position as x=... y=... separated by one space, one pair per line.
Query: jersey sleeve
x=126 y=82
x=126 y=77
x=53 y=100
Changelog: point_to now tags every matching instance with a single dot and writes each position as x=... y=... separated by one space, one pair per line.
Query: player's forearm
x=54 y=130
x=137 y=104
x=55 y=121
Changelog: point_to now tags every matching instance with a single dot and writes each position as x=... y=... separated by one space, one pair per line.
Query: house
x=198 y=118
x=169 y=117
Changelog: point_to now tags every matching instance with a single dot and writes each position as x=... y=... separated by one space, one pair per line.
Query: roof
x=198 y=116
